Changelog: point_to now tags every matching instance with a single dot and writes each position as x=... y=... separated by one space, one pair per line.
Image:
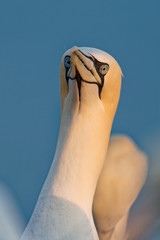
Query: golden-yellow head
x=91 y=66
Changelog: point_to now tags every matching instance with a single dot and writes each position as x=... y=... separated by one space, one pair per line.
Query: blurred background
x=33 y=37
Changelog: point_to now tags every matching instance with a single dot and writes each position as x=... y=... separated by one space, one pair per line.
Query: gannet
x=122 y=177
x=90 y=89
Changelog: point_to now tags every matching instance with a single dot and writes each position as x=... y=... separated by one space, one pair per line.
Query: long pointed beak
x=85 y=65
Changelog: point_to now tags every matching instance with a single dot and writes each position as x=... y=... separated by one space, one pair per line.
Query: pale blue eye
x=104 y=69
x=67 y=62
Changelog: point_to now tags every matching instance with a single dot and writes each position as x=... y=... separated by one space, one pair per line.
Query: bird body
x=122 y=177
x=90 y=89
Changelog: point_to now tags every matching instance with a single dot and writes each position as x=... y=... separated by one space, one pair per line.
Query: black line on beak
x=84 y=63
x=90 y=57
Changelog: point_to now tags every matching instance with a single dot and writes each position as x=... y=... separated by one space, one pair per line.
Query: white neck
x=81 y=149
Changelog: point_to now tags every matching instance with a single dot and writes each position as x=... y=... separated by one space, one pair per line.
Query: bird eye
x=103 y=69
x=67 y=62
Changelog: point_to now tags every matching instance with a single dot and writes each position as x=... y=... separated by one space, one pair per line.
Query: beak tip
x=74 y=49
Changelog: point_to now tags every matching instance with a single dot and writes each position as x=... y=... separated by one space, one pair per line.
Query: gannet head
x=91 y=66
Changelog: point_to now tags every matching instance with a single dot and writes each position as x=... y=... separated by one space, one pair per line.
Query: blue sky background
x=33 y=36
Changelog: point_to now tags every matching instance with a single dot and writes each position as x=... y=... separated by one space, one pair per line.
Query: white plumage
x=90 y=89
x=122 y=177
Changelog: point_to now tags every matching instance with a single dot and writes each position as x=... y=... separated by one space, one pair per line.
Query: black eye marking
x=67 y=65
x=102 y=68
x=67 y=62
x=79 y=80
